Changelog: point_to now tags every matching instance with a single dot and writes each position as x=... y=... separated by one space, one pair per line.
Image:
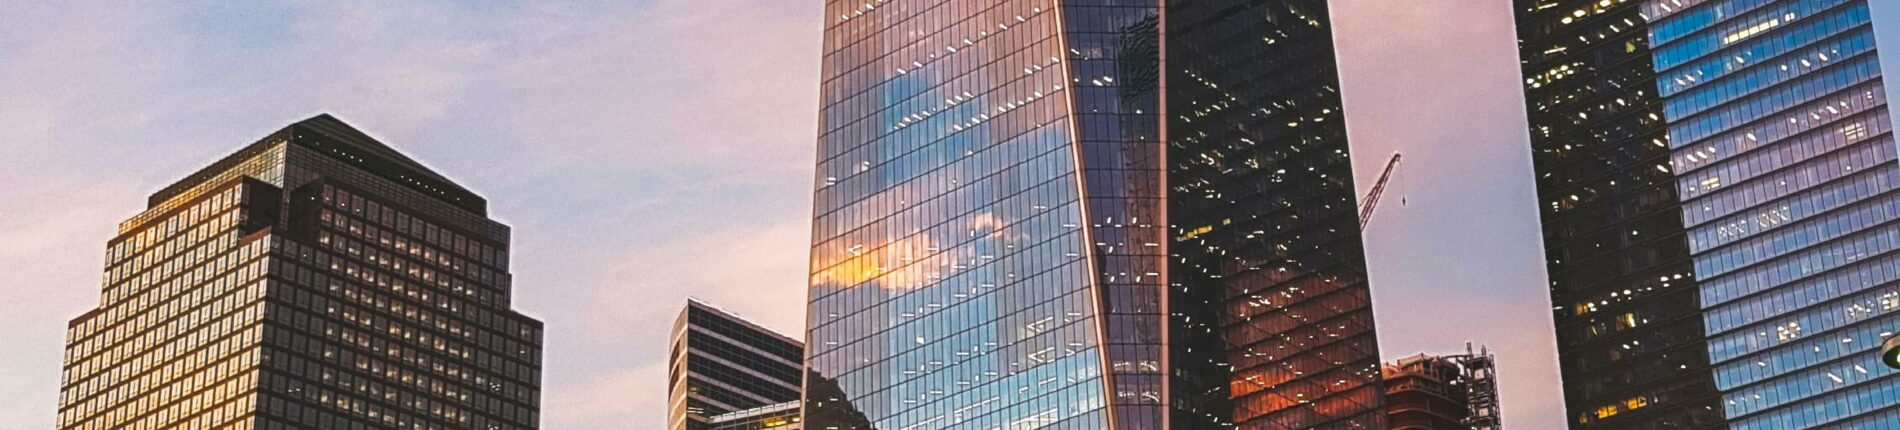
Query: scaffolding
x=1481 y=379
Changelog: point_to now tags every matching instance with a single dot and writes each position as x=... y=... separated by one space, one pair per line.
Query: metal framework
x=1480 y=372
x=1378 y=188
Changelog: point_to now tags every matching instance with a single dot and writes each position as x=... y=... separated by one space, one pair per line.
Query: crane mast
x=1371 y=201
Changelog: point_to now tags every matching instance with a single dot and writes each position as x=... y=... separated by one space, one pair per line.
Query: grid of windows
x=1113 y=53
x=951 y=281
x=722 y=364
x=349 y=301
x=991 y=246
x=177 y=347
x=1273 y=324
x=1787 y=171
x=1623 y=288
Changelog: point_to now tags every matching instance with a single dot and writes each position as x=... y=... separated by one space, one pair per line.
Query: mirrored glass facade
x=1623 y=289
x=314 y=279
x=1783 y=157
x=992 y=245
x=1114 y=49
x=952 y=282
x=722 y=364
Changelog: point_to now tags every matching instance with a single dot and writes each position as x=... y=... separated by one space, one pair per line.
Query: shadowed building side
x=1623 y=290
x=1272 y=323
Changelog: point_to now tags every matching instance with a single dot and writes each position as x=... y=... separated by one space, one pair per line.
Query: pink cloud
x=650 y=151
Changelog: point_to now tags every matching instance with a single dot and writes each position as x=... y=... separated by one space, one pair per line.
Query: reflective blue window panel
x=1784 y=160
x=950 y=283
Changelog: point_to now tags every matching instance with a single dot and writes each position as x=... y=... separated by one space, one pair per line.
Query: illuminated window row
x=1776 y=52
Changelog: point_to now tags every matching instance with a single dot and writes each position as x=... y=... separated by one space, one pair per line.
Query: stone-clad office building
x=313 y=279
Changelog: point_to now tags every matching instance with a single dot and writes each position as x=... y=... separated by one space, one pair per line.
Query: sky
x=647 y=151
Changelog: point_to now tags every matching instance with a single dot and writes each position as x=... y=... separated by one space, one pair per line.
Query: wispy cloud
x=643 y=151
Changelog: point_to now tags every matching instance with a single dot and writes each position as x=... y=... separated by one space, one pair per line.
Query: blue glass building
x=1019 y=224
x=1625 y=303
x=1784 y=162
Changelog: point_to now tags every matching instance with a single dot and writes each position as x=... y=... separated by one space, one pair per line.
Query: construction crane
x=1371 y=201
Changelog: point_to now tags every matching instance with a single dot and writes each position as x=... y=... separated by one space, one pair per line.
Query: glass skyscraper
x=1719 y=212
x=722 y=364
x=1783 y=158
x=1086 y=214
x=314 y=279
x=1625 y=299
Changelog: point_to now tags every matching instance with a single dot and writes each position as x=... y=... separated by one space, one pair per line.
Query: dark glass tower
x=993 y=244
x=723 y=364
x=1267 y=266
x=1627 y=309
x=314 y=279
x=1783 y=157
